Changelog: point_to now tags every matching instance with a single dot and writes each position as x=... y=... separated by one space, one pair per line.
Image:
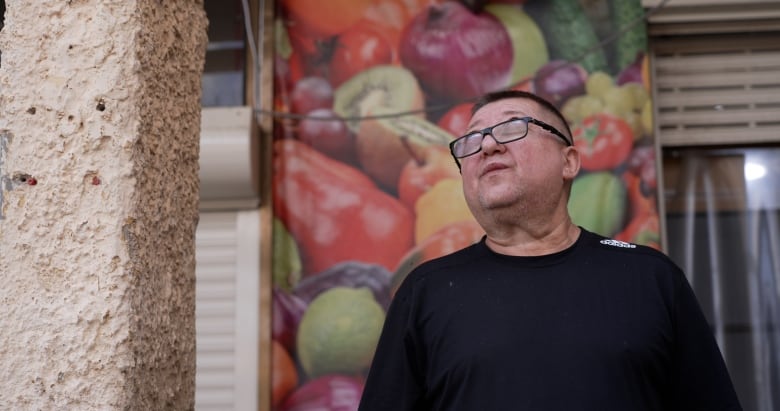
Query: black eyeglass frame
x=489 y=130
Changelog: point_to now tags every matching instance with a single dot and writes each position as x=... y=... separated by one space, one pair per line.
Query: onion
x=631 y=73
x=558 y=80
x=287 y=312
x=353 y=274
x=456 y=54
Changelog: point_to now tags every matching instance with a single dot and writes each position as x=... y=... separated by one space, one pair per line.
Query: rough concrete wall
x=171 y=50
x=99 y=125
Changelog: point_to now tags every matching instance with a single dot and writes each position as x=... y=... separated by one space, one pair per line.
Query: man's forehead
x=485 y=117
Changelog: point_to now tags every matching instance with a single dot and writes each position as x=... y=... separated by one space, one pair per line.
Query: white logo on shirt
x=616 y=243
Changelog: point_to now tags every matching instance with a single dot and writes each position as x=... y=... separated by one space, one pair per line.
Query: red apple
x=420 y=174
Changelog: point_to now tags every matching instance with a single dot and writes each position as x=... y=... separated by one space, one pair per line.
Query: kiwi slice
x=385 y=143
x=392 y=87
x=417 y=130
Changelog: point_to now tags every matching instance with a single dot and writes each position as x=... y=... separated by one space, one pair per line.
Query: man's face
x=524 y=175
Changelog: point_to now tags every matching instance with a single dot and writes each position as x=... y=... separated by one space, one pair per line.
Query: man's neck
x=533 y=240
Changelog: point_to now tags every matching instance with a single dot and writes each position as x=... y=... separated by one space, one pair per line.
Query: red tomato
x=604 y=141
x=456 y=119
x=359 y=48
x=388 y=17
x=413 y=7
x=308 y=56
x=509 y=1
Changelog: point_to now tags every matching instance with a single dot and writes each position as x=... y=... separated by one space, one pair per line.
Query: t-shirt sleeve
x=700 y=378
x=395 y=381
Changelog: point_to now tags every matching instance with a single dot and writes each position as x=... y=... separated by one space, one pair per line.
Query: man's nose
x=490 y=145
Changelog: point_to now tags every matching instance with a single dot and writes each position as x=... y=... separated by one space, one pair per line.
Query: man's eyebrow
x=508 y=113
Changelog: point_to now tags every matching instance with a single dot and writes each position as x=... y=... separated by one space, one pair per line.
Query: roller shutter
x=227 y=310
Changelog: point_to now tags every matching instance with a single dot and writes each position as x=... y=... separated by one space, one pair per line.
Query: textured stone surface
x=99 y=126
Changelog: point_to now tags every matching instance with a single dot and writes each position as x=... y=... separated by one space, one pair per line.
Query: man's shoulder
x=630 y=255
x=453 y=260
x=599 y=243
x=448 y=264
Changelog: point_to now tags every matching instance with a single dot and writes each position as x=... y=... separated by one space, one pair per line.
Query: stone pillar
x=99 y=131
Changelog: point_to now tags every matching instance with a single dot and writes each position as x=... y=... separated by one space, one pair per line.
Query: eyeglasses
x=504 y=132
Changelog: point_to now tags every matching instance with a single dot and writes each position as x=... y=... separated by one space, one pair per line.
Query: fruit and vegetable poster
x=367 y=95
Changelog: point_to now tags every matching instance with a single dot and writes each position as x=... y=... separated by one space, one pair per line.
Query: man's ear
x=571 y=162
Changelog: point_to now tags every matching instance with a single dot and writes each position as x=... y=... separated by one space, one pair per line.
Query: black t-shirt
x=602 y=325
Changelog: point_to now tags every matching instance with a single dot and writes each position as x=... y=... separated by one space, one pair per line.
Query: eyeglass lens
x=503 y=133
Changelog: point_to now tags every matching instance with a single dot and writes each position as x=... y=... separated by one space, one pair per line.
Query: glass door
x=723 y=229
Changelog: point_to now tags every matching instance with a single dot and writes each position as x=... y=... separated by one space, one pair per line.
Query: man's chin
x=498 y=201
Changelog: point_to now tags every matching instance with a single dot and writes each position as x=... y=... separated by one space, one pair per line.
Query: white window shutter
x=227 y=310
x=726 y=12
x=717 y=90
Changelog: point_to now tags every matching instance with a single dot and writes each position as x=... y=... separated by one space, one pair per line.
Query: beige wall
x=99 y=127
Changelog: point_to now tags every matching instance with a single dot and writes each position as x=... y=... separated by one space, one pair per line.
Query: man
x=541 y=314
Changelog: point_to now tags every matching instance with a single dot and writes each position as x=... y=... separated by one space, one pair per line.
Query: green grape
x=617 y=112
x=638 y=93
x=571 y=109
x=646 y=117
x=590 y=105
x=633 y=119
x=598 y=83
x=619 y=100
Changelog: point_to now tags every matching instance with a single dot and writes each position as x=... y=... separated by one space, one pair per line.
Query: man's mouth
x=493 y=167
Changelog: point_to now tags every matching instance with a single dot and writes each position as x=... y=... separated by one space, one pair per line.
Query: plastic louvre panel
x=702 y=11
x=717 y=90
x=215 y=271
x=678 y=3
x=226 y=310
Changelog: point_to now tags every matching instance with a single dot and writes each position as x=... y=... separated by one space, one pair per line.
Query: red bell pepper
x=335 y=212
x=642 y=229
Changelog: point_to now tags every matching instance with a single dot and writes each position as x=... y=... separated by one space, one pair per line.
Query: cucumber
x=569 y=33
x=627 y=18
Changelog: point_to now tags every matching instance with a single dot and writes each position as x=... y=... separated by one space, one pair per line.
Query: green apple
x=528 y=44
x=287 y=259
